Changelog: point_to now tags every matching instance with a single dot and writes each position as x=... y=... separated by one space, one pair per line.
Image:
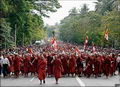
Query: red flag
x=86 y=43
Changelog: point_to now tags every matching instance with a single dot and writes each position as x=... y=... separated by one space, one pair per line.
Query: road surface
x=64 y=81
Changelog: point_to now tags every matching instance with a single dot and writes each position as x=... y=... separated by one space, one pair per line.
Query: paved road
x=64 y=81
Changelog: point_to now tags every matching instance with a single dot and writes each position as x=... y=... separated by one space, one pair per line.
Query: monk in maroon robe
x=89 y=68
x=42 y=64
x=31 y=68
x=22 y=65
x=65 y=64
x=26 y=65
x=49 y=65
x=102 y=68
x=57 y=68
x=16 y=65
x=96 y=64
x=35 y=63
x=72 y=64
x=107 y=65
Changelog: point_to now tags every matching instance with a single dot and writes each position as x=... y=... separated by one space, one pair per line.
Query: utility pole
x=23 y=38
x=5 y=44
x=15 y=35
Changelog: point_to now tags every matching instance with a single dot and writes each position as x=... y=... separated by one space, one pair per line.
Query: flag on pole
x=86 y=43
x=52 y=40
x=55 y=45
x=106 y=33
x=30 y=50
x=93 y=48
x=77 y=50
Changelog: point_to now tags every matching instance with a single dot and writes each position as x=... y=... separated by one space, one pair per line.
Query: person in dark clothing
x=0 y=67
x=79 y=66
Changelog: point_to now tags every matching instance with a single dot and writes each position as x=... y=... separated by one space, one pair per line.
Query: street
x=64 y=81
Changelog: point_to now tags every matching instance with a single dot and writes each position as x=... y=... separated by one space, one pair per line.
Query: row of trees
x=21 y=21
x=82 y=22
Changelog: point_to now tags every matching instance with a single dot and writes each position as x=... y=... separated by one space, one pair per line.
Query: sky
x=64 y=10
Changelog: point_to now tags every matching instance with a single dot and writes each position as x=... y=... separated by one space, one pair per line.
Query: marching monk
x=26 y=65
x=72 y=64
x=113 y=64
x=42 y=64
x=16 y=65
x=35 y=63
x=65 y=64
x=89 y=68
x=96 y=64
x=32 y=68
x=22 y=65
x=57 y=67
x=49 y=65
x=107 y=64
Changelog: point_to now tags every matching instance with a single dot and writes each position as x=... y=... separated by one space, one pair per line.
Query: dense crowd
x=66 y=60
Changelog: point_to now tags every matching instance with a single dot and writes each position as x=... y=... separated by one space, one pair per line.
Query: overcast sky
x=64 y=10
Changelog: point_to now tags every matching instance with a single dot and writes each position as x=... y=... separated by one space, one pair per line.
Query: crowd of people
x=67 y=60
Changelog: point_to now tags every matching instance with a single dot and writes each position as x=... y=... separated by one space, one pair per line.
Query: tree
x=75 y=28
x=44 y=7
x=103 y=6
x=84 y=9
x=25 y=25
x=73 y=11
x=6 y=39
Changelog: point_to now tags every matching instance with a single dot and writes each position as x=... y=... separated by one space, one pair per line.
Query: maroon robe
x=26 y=65
x=65 y=65
x=49 y=65
x=16 y=65
x=89 y=68
x=96 y=67
x=102 y=68
x=57 y=68
x=107 y=65
x=32 y=68
x=72 y=64
x=42 y=64
x=79 y=65
x=10 y=68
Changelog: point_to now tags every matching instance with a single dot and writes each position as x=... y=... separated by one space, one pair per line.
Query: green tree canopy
x=92 y=23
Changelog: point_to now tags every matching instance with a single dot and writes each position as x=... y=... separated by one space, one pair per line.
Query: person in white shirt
x=5 y=64
x=1 y=64
x=118 y=63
